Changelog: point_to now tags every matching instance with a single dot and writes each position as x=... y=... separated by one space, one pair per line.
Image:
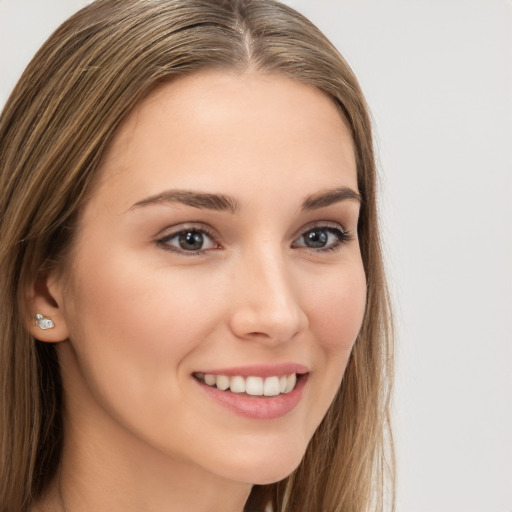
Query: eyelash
x=164 y=241
x=343 y=236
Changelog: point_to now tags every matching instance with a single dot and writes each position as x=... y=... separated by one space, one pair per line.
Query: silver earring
x=43 y=322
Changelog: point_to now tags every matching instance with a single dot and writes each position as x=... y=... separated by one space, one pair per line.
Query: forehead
x=225 y=129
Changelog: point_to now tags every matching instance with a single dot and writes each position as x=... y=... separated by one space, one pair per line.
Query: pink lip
x=257 y=407
x=259 y=370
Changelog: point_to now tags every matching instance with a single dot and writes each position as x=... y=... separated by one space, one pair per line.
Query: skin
x=135 y=318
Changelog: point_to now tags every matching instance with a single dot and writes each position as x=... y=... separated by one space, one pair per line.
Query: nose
x=266 y=305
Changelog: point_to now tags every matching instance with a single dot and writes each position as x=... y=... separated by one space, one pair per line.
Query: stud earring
x=43 y=322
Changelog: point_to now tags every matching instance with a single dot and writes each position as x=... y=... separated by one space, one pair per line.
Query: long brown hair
x=53 y=132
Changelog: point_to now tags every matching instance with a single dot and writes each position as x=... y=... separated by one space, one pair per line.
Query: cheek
x=336 y=315
x=337 y=309
x=133 y=328
x=129 y=321
x=120 y=294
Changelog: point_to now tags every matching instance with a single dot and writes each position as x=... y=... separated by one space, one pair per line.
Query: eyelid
x=320 y=224
x=183 y=226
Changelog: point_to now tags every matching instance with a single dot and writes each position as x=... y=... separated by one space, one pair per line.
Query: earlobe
x=47 y=322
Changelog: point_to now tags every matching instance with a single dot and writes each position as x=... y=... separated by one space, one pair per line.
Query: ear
x=45 y=298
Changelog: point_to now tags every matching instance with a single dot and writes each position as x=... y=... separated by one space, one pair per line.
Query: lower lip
x=258 y=407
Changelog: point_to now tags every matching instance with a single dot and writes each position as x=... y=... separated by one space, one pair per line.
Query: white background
x=438 y=77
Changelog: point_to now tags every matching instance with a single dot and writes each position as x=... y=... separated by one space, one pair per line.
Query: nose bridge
x=267 y=302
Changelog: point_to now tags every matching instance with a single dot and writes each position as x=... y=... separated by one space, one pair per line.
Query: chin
x=273 y=468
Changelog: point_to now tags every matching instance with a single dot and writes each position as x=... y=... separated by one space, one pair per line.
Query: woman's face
x=218 y=248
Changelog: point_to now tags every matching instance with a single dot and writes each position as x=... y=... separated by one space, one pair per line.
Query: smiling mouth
x=251 y=385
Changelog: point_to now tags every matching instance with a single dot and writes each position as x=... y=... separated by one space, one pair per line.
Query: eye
x=323 y=238
x=188 y=241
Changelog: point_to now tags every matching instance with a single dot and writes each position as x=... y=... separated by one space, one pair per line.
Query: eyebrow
x=329 y=197
x=221 y=202
x=217 y=202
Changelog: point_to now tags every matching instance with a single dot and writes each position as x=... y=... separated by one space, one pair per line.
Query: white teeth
x=271 y=386
x=237 y=385
x=210 y=379
x=222 y=382
x=256 y=386
x=282 y=384
x=290 y=382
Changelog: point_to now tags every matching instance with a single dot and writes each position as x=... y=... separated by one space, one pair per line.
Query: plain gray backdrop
x=438 y=78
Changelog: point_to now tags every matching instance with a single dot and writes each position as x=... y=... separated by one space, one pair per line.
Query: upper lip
x=258 y=370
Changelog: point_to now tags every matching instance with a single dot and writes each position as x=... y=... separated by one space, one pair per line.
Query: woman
x=190 y=267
